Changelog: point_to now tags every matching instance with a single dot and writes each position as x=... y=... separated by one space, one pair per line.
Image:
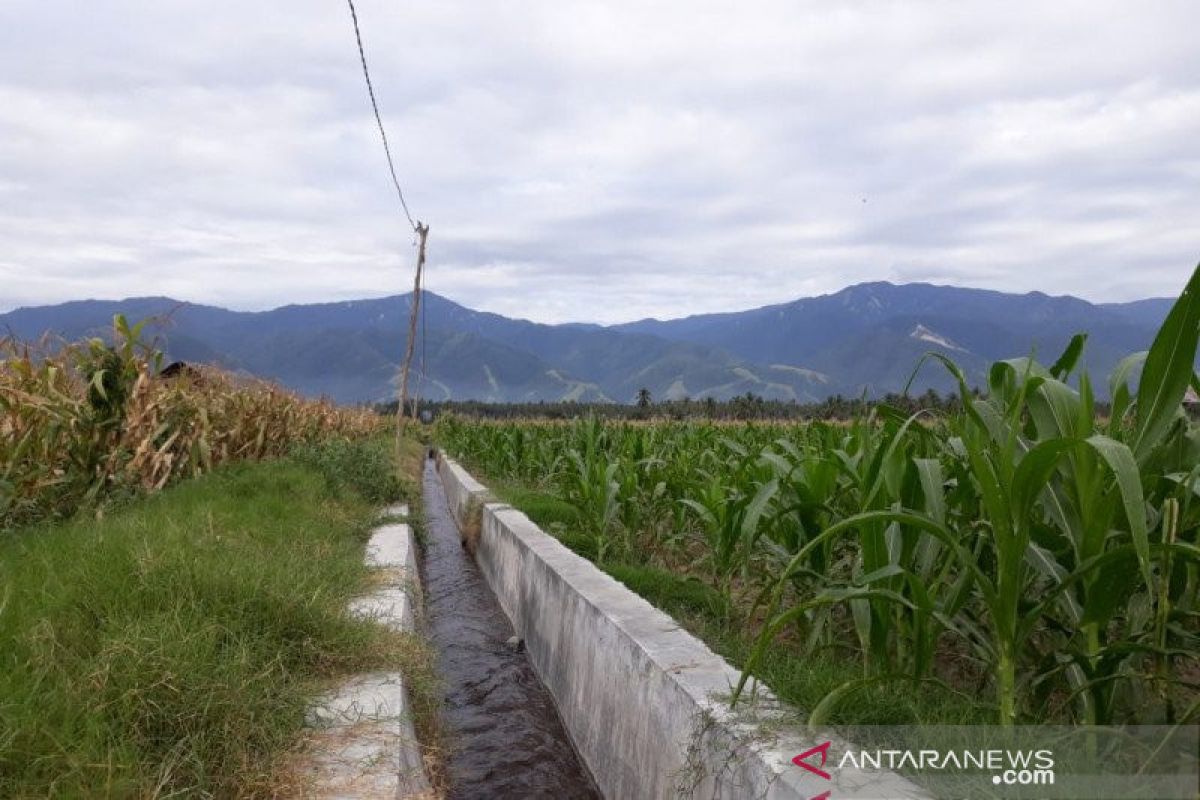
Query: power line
x=422 y=231
x=378 y=119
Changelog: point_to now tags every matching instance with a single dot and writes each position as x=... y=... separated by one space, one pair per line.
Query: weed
x=173 y=646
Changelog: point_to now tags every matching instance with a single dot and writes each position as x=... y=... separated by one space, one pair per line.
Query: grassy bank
x=171 y=648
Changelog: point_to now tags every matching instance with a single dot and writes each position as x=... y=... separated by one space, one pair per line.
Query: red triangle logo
x=802 y=760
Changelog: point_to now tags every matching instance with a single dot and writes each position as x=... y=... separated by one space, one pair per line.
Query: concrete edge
x=645 y=702
x=362 y=742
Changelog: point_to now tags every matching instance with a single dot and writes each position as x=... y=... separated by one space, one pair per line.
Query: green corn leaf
x=820 y=713
x=1044 y=562
x=1034 y=472
x=97 y=383
x=1169 y=369
x=1055 y=409
x=929 y=470
x=1118 y=384
x=1124 y=466
x=757 y=506
x=1115 y=582
x=1070 y=357
x=883 y=573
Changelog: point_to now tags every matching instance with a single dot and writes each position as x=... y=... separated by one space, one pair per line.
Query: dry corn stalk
x=82 y=419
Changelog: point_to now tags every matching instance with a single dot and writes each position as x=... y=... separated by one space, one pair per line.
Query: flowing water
x=505 y=735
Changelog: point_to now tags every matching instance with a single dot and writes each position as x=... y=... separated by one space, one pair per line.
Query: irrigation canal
x=505 y=735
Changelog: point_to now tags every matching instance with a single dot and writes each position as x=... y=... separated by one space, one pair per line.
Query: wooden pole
x=422 y=235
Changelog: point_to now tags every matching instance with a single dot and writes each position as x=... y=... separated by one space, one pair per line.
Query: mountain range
x=865 y=338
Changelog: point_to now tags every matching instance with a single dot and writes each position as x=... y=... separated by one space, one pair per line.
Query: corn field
x=1023 y=549
x=90 y=420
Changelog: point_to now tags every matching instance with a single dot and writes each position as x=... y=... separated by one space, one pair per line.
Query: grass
x=171 y=648
x=803 y=681
x=551 y=513
x=366 y=468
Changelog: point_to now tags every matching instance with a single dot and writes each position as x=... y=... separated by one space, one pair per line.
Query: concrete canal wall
x=645 y=702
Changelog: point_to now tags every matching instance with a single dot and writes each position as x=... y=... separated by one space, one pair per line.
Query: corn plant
x=86 y=420
x=1054 y=538
x=1019 y=545
x=729 y=505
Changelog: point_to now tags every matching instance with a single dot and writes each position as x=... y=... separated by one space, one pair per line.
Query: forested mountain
x=868 y=337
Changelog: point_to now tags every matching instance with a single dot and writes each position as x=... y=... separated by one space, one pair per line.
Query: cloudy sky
x=597 y=161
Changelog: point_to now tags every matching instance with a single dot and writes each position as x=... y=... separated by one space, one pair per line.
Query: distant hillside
x=864 y=338
x=869 y=336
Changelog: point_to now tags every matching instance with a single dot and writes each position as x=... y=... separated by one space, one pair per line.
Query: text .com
x=1024 y=777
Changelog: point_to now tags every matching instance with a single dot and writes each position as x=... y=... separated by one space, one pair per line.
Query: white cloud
x=596 y=161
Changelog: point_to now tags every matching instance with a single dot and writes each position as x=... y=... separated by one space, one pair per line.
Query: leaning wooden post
x=422 y=234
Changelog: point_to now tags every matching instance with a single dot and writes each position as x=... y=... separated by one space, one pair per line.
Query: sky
x=596 y=161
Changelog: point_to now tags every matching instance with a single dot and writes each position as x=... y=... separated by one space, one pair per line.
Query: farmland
x=177 y=551
x=1023 y=557
x=89 y=423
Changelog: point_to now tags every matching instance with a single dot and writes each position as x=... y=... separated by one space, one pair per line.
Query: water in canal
x=505 y=736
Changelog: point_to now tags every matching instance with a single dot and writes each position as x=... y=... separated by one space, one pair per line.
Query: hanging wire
x=421 y=232
x=362 y=55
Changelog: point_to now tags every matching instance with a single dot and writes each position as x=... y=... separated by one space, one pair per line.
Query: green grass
x=675 y=594
x=171 y=649
x=546 y=509
x=552 y=514
x=364 y=467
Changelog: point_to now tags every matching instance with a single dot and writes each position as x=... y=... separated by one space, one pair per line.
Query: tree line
x=747 y=406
